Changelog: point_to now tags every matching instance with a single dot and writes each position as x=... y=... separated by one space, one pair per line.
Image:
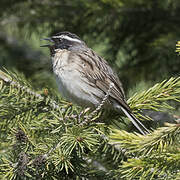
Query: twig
x=7 y=79
x=51 y=150
x=99 y=107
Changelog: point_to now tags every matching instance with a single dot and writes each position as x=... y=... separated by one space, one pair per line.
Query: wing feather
x=99 y=72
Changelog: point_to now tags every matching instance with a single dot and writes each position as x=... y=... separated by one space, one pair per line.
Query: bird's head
x=63 y=40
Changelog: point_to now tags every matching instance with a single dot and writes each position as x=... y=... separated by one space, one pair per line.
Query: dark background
x=137 y=37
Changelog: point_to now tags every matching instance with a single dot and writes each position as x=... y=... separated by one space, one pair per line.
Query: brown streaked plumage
x=84 y=77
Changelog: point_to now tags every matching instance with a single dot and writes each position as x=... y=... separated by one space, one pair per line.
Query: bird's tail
x=136 y=122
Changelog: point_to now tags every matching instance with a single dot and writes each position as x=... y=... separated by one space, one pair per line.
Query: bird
x=83 y=77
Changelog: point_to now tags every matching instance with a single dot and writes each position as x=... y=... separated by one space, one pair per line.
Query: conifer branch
x=157 y=96
x=157 y=154
x=156 y=166
x=8 y=79
x=55 y=137
x=178 y=47
x=158 y=140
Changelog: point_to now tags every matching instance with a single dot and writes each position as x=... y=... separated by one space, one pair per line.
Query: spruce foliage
x=44 y=137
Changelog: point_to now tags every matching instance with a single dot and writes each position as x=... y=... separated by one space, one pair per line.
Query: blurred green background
x=137 y=37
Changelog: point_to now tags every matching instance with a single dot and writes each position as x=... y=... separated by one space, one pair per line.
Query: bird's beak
x=47 y=45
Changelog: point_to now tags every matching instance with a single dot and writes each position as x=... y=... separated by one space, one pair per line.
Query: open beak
x=47 y=45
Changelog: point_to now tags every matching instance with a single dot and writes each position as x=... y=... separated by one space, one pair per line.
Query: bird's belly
x=75 y=89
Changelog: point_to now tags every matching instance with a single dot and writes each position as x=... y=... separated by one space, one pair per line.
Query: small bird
x=83 y=77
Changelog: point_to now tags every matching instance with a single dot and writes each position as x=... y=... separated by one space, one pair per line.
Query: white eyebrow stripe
x=67 y=37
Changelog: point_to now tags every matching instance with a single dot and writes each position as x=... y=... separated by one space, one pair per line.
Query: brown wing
x=100 y=73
